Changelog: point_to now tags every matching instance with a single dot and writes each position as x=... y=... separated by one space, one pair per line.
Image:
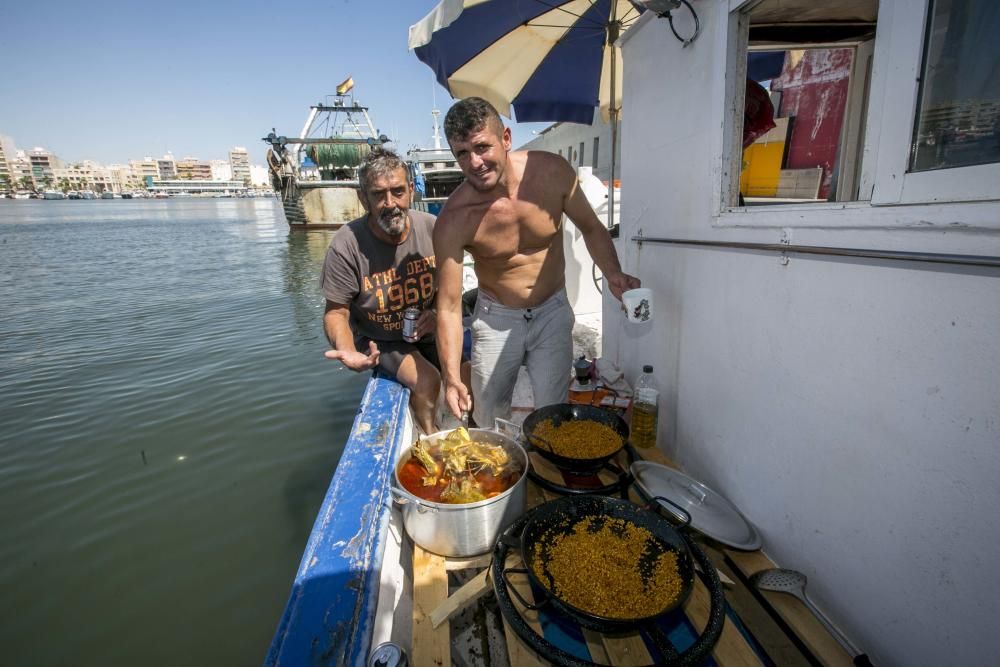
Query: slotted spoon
x=792 y=582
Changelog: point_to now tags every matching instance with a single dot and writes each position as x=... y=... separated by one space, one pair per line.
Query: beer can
x=410 y=317
x=388 y=655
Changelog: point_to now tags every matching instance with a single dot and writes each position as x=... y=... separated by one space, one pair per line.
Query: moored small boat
x=435 y=173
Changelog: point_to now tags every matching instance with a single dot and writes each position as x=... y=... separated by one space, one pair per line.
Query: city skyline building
x=166 y=167
x=7 y=152
x=259 y=177
x=43 y=166
x=239 y=160
x=41 y=169
x=221 y=170
x=191 y=168
x=147 y=166
x=21 y=170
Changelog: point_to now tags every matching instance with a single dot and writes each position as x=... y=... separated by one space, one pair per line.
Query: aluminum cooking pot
x=467 y=529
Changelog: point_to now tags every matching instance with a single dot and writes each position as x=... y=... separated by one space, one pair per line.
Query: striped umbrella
x=549 y=60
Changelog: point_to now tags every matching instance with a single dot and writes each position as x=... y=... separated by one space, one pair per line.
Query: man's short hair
x=470 y=115
x=379 y=162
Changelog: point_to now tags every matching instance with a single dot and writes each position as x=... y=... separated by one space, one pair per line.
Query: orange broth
x=412 y=473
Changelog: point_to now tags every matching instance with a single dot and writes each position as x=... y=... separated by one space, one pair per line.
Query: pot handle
x=534 y=606
x=507 y=428
x=685 y=522
x=400 y=499
x=397 y=497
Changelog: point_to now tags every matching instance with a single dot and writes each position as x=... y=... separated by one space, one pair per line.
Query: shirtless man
x=508 y=216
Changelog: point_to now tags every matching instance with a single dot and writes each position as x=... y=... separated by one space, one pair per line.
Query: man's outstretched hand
x=621 y=282
x=356 y=361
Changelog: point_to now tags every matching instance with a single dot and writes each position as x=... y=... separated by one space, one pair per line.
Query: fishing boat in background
x=434 y=171
x=53 y=194
x=316 y=173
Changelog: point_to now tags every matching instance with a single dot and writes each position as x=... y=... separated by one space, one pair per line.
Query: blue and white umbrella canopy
x=547 y=59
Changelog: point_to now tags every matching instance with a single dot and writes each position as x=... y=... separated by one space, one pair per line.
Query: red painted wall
x=814 y=92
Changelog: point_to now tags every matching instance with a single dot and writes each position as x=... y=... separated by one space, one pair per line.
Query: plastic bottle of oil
x=644 y=410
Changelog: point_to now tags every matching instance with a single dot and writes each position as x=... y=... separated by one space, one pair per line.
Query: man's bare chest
x=509 y=228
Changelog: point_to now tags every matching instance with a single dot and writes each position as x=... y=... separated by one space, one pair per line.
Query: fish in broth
x=458 y=469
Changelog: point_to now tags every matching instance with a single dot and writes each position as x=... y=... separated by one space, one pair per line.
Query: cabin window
x=806 y=87
x=958 y=105
x=937 y=121
x=580 y=155
x=593 y=153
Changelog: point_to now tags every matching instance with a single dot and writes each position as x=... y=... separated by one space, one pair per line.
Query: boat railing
x=331 y=610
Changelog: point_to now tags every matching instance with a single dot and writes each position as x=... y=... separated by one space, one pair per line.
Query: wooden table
x=781 y=626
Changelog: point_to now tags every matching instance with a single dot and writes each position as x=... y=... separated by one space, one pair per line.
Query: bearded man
x=508 y=215
x=376 y=267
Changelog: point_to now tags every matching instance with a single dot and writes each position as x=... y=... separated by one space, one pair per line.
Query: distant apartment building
x=239 y=160
x=43 y=166
x=166 y=167
x=221 y=170
x=193 y=169
x=123 y=179
x=20 y=168
x=7 y=153
x=145 y=168
x=86 y=175
x=259 y=177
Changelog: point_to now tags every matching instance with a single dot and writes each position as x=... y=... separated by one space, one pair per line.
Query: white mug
x=638 y=304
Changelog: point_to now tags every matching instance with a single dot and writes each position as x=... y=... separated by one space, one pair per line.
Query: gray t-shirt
x=379 y=280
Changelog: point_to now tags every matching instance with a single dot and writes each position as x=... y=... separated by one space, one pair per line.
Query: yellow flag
x=346 y=86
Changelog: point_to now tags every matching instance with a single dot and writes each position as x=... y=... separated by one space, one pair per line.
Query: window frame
x=887 y=125
x=899 y=79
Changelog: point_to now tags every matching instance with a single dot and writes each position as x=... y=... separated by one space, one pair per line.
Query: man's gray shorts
x=504 y=339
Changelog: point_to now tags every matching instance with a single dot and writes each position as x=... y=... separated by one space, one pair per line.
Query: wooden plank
x=772 y=638
x=431 y=646
x=749 y=562
x=534 y=495
x=595 y=644
x=471 y=563
x=544 y=468
x=797 y=615
x=626 y=650
x=732 y=649
x=473 y=589
x=518 y=652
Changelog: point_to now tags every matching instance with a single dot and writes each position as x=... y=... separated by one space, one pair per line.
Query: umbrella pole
x=614 y=150
x=613 y=30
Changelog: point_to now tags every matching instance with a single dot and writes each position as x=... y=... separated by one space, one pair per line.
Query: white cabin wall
x=851 y=408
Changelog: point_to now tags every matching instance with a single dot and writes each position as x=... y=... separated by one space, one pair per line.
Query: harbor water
x=168 y=427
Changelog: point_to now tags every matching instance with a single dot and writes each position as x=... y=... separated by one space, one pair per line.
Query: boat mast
x=437 y=130
x=306 y=129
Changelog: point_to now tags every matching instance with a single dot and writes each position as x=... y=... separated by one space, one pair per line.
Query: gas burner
x=657 y=636
x=581 y=483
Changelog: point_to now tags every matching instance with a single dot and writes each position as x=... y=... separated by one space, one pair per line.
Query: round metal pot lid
x=711 y=514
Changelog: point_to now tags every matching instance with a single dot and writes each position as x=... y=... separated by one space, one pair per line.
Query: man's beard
x=392 y=221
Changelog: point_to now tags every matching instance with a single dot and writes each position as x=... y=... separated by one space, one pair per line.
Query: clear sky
x=113 y=81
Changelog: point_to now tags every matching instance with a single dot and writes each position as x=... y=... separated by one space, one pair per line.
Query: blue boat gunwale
x=331 y=609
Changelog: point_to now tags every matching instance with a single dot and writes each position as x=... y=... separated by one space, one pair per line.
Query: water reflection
x=302 y=265
x=164 y=408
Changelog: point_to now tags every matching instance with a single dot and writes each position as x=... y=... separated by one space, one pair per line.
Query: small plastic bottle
x=644 y=410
